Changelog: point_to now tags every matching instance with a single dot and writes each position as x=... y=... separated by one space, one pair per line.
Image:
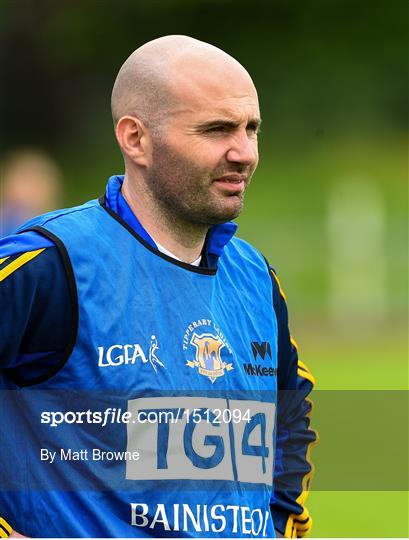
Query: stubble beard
x=183 y=193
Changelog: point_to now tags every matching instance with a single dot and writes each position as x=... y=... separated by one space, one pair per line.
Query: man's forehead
x=228 y=92
x=236 y=112
x=231 y=105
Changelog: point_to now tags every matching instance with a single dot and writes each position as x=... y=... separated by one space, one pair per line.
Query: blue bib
x=160 y=421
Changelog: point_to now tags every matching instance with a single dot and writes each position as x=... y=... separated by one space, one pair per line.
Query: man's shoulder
x=245 y=253
x=17 y=244
x=242 y=248
x=27 y=254
x=32 y=244
x=44 y=219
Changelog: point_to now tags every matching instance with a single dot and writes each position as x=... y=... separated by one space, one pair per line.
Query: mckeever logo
x=261 y=350
x=117 y=355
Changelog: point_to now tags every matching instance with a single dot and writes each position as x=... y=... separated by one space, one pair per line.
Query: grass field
x=359 y=363
x=359 y=514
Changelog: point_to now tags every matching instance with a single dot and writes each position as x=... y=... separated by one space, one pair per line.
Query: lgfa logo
x=117 y=355
x=207 y=347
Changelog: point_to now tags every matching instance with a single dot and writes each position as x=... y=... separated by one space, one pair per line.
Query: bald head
x=148 y=84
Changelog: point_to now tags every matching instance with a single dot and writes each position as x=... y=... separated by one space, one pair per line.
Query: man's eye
x=215 y=129
x=253 y=130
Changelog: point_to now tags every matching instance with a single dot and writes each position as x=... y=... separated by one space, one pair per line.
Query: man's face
x=205 y=154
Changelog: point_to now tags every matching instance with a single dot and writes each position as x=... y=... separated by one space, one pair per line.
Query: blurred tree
x=320 y=66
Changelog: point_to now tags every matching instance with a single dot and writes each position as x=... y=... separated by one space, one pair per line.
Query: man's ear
x=134 y=140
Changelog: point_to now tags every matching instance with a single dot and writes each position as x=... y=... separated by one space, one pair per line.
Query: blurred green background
x=328 y=204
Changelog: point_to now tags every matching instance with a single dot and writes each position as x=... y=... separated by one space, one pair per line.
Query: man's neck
x=184 y=240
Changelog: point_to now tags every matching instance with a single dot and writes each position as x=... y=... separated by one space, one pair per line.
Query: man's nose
x=243 y=149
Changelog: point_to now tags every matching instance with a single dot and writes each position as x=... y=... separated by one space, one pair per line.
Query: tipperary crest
x=208 y=346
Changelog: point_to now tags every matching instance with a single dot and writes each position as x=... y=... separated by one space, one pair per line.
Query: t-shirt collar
x=216 y=239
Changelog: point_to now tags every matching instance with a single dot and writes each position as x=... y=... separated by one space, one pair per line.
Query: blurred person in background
x=30 y=185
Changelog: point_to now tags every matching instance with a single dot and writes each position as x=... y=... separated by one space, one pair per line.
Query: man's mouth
x=231 y=182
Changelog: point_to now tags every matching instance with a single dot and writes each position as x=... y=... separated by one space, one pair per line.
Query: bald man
x=141 y=389
x=188 y=135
